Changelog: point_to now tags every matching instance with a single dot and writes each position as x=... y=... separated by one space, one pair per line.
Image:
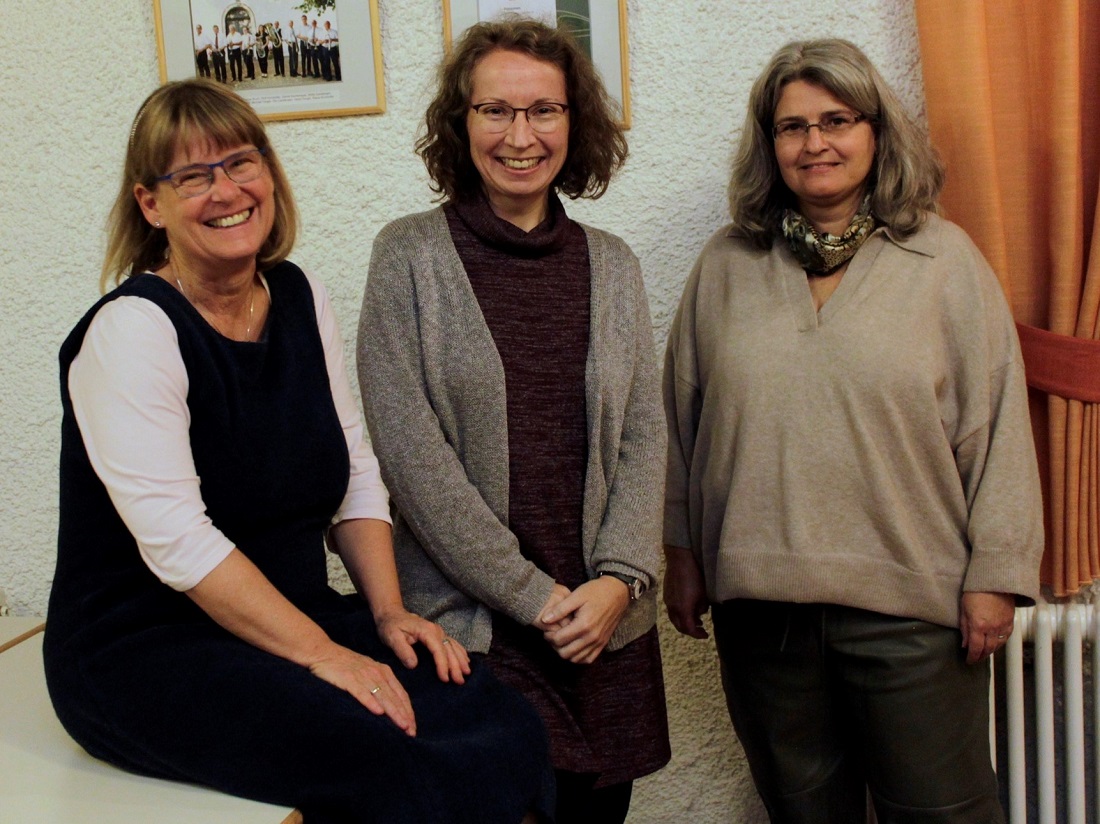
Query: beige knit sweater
x=875 y=454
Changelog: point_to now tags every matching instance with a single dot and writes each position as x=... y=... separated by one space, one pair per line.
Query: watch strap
x=636 y=586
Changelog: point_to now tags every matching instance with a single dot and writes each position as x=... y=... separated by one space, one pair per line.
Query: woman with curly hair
x=852 y=486
x=508 y=372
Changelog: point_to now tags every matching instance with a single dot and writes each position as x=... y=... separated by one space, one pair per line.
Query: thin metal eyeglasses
x=196 y=179
x=542 y=117
x=834 y=124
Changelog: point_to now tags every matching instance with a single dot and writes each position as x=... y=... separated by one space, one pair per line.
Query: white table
x=46 y=778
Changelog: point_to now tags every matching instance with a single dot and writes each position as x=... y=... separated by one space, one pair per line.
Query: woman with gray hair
x=852 y=487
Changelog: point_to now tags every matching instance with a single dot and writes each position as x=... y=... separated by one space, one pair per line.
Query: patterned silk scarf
x=821 y=255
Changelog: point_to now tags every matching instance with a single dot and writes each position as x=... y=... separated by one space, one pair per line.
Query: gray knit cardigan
x=434 y=396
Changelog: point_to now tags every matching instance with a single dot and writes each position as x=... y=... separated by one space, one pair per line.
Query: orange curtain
x=1013 y=96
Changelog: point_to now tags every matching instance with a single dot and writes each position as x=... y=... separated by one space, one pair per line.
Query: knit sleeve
x=998 y=468
x=129 y=386
x=992 y=437
x=629 y=534
x=452 y=522
x=683 y=401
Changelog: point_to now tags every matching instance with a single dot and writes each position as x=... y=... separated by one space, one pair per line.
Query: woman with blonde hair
x=210 y=448
x=852 y=488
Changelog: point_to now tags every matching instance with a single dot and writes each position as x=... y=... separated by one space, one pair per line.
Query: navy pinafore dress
x=142 y=678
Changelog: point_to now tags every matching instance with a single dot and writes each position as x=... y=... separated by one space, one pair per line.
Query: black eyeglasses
x=836 y=123
x=196 y=179
x=497 y=117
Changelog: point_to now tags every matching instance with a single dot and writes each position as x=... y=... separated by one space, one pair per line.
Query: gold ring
x=446 y=640
x=376 y=690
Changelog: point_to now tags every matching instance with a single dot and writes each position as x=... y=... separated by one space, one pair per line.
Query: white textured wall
x=63 y=129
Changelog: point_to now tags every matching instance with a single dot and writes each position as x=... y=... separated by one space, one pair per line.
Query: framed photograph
x=288 y=58
x=599 y=26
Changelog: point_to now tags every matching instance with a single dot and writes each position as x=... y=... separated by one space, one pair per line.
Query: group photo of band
x=243 y=51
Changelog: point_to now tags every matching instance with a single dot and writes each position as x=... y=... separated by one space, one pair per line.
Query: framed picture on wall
x=599 y=26
x=288 y=58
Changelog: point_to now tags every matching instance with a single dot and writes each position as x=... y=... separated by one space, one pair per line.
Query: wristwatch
x=636 y=586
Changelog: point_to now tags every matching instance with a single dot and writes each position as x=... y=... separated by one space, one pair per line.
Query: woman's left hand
x=400 y=629
x=594 y=610
x=985 y=620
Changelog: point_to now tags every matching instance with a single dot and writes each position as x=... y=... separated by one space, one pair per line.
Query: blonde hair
x=907 y=174
x=176 y=115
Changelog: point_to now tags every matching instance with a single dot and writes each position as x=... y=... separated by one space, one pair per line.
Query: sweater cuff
x=531 y=599
x=677 y=531
x=1001 y=571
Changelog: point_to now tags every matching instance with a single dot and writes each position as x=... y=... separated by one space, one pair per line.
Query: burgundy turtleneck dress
x=533 y=288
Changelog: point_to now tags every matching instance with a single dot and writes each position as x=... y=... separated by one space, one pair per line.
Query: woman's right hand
x=685 y=591
x=241 y=600
x=370 y=682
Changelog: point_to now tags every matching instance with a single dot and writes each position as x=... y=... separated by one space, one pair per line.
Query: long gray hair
x=907 y=174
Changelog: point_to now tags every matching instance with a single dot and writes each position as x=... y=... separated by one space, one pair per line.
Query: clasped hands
x=579 y=623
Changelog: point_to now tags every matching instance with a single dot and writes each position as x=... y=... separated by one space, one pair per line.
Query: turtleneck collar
x=549 y=236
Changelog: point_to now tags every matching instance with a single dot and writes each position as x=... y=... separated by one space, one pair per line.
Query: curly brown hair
x=597 y=145
x=176 y=115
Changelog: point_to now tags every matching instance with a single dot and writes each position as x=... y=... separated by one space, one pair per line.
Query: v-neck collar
x=796 y=291
x=801 y=298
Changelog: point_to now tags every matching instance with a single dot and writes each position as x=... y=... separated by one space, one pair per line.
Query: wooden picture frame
x=359 y=89
x=600 y=26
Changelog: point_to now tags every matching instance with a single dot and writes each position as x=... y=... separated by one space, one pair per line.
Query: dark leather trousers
x=830 y=701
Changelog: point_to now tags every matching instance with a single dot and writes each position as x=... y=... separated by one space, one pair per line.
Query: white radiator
x=1077 y=628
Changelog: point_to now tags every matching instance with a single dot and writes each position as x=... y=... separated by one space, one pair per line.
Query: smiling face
x=826 y=173
x=219 y=231
x=517 y=166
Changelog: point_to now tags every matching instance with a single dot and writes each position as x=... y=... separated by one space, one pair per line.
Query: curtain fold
x=1012 y=94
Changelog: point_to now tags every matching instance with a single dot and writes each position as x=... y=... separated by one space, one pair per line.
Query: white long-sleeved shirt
x=129 y=387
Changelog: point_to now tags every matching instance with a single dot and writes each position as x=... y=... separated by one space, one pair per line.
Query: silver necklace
x=251 y=305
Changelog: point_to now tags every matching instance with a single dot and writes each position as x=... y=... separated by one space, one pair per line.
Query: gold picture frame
x=605 y=36
x=358 y=91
